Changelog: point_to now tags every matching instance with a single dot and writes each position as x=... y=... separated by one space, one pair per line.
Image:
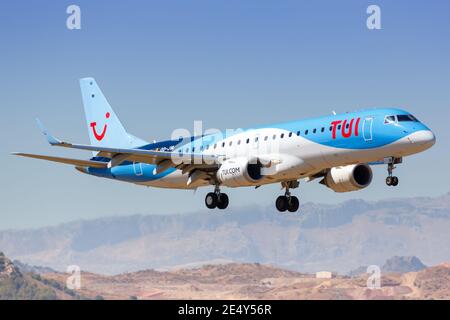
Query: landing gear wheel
x=394 y=181
x=281 y=203
x=293 y=204
x=211 y=200
x=389 y=181
x=222 y=201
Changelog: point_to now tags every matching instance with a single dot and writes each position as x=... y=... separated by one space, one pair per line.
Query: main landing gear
x=288 y=202
x=216 y=199
x=391 y=162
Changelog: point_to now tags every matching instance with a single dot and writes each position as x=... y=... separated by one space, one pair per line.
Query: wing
x=75 y=162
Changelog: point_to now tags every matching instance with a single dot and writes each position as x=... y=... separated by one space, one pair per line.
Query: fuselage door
x=367 y=129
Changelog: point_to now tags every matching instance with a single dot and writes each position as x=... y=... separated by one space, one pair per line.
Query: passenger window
x=248 y=140
x=207 y=146
x=187 y=150
x=339 y=127
x=231 y=142
x=314 y=130
x=265 y=138
x=274 y=136
x=323 y=129
x=223 y=144
x=256 y=139
x=215 y=145
x=282 y=136
x=298 y=133
x=331 y=128
x=193 y=149
x=239 y=142
x=306 y=132
x=290 y=134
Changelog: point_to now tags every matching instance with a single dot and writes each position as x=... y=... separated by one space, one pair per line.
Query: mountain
x=15 y=285
x=403 y=264
x=321 y=237
x=257 y=281
x=395 y=264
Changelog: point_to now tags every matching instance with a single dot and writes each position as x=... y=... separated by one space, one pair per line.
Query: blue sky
x=164 y=64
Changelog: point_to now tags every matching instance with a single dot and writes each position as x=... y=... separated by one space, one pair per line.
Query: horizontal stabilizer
x=164 y=159
x=136 y=155
x=75 y=162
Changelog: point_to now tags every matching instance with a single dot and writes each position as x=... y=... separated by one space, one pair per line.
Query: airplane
x=338 y=149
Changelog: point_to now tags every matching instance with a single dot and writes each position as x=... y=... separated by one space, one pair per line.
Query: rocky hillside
x=434 y=283
x=256 y=281
x=224 y=281
x=26 y=268
x=321 y=237
x=7 y=268
x=15 y=285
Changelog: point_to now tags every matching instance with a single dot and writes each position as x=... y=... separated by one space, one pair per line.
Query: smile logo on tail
x=97 y=136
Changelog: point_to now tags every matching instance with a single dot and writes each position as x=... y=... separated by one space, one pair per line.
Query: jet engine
x=348 y=178
x=239 y=172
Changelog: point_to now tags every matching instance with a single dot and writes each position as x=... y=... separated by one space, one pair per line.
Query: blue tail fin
x=105 y=128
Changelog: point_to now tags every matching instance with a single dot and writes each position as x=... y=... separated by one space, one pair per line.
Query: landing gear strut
x=391 y=162
x=288 y=202
x=216 y=199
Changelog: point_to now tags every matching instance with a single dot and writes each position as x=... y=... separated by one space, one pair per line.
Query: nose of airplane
x=424 y=138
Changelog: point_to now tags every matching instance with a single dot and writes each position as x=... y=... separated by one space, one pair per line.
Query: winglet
x=51 y=139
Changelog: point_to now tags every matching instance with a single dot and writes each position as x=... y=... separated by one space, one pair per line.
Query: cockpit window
x=389 y=119
x=406 y=117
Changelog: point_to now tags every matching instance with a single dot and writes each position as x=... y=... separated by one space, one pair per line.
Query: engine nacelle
x=348 y=178
x=239 y=172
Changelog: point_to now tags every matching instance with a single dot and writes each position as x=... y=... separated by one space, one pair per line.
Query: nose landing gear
x=390 y=179
x=216 y=199
x=288 y=202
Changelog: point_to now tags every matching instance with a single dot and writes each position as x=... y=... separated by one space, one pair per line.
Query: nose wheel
x=216 y=199
x=288 y=202
x=390 y=179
